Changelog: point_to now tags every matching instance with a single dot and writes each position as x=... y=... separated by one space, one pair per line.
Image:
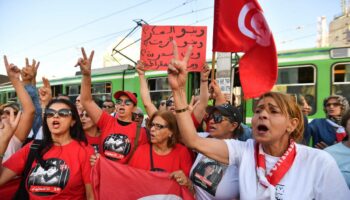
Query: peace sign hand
x=12 y=70
x=177 y=69
x=85 y=63
x=8 y=127
x=45 y=93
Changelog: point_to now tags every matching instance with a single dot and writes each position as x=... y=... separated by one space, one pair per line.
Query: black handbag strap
x=34 y=147
x=151 y=156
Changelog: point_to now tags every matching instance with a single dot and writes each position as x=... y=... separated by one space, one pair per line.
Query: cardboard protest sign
x=157 y=49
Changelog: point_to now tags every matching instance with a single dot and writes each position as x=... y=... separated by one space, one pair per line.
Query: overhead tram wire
x=83 y=25
x=183 y=14
x=171 y=9
x=298 y=38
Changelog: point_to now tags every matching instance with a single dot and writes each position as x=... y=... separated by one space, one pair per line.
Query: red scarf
x=280 y=168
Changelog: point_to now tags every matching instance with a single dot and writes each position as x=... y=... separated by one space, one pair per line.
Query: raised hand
x=28 y=73
x=140 y=68
x=45 y=93
x=8 y=127
x=193 y=103
x=177 y=69
x=85 y=63
x=205 y=73
x=12 y=70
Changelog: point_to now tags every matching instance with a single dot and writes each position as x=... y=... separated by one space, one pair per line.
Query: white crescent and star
x=261 y=32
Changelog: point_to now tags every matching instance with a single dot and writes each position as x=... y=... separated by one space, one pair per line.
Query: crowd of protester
x=49 y=145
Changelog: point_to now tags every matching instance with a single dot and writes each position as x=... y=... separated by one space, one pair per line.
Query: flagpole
x=213 y=66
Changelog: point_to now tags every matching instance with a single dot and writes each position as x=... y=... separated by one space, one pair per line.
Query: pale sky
x=52 y=31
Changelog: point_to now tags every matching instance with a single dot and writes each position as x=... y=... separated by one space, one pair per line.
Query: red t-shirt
x=67 y=169
x=117 y=141
x=94 y=142
x=179 y=158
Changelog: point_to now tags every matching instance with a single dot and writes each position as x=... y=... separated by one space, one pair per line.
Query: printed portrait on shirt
x=208 y=174
x=116 y=146
x=49 y=179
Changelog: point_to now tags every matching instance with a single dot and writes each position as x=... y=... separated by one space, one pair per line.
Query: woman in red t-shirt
x=61 y=169
x=92 y=133
x=164 y=152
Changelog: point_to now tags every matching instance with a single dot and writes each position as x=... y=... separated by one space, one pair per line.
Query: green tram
x=315 y=73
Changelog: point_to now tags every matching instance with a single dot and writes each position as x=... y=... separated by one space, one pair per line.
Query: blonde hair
x=290 y=109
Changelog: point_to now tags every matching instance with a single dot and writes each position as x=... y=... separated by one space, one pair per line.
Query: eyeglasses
x=169 y=103
x=127 y=102
x=106 y=106
x=49 y=113
x=83 y=114
x=158 y=126
x=333 y=104
x=7 y=112
x=139 y=115
x=217 y=118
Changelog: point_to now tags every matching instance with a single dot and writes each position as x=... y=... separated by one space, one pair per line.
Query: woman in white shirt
x=272 y=165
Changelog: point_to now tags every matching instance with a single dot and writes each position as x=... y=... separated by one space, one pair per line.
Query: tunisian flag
x=112 y=180
x=240 y=26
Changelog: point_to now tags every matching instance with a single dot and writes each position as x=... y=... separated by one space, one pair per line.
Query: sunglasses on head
x=83 y=114
x=333 y=104
x=49 y=113
x=106 y=106
x=218 y=118
x=158 y=126
x=139 y=115
x=169 y=103
x=127 y=102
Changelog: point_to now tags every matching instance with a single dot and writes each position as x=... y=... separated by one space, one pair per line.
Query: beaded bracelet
x=206 y=80
x=182 y=110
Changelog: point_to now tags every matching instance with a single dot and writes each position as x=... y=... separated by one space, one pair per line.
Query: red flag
x=239 y=26
x=112 y=180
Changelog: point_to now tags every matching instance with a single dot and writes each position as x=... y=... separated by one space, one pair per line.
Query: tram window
x=12 y=97
x=159 y=89
x=101 y=91
x=73 y=90
x=298 y=80
x=341 y=80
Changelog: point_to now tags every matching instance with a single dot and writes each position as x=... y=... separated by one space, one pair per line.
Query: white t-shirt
x=14 y=145
x=223 y=181
x=313 y=175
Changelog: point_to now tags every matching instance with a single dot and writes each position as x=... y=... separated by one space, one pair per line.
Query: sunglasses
x=105 y=106
x=139 y=115
x=83 y=114
x=333 y=104
x=158 y=126
x=7 y=112
x=217 y=118
x=169 y=103
x=49 y=113
x=127 y=102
